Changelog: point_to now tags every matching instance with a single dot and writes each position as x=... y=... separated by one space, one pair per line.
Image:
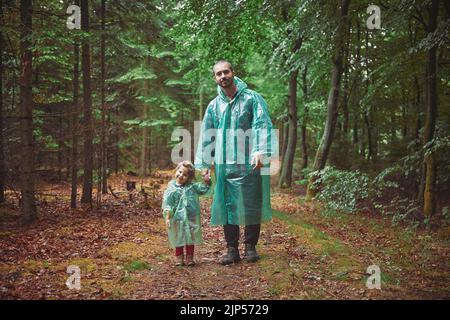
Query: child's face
x=181 y=176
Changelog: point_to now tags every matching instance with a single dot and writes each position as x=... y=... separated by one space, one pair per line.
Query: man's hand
x=206 y=173
x=207 y=178
x=257 y=161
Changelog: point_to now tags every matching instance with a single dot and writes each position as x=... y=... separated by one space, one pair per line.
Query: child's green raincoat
x=184 y=206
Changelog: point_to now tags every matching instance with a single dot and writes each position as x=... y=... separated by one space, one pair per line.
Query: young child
x=181 y=211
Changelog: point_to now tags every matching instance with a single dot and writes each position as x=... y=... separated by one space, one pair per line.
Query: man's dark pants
x=251 y=234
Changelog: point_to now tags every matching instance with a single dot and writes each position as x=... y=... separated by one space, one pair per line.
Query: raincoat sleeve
x=168 y=202
x=201 y=188
x=203 y=156
x=264 y=141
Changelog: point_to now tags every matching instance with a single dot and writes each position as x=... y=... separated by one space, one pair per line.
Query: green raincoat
x=242 y=194
x=184 y=206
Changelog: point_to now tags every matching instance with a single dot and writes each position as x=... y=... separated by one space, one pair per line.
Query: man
x=238 y=117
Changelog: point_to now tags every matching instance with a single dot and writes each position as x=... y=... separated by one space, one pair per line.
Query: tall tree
x=429 y=205
x=74 y=123
x=304 y=146
x=145 y=137
x=26 y=113
x=104 y=142
x=88 y=131
x=2 y=157
x=332 y=104
x=288 y=158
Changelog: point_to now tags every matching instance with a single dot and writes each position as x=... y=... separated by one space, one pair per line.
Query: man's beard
x=226 y=84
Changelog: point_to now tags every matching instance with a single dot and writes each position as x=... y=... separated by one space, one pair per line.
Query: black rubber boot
x=231 y=257
x=250 y=253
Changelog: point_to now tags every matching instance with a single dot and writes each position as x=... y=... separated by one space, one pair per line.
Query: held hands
x=257 y=160
x=206 y=176
x=168 y=222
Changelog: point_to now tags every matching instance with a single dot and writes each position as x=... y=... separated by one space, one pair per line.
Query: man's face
x=223 y=75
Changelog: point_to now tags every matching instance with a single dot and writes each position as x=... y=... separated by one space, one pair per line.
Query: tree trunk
x=346 y=90
x=356 y=87
x=369 y=134
x=60 y=146
x=75 y=124
x=87 y=108
x=288 y=160
x=288 y=163
x=144 y=146
x=285 y=133
x=367 y=111
x=355 y=131
x=332 y=104
x=26 y=114
x=2 y=156
x=304 y=146
x=430 y=123
x=105 y=125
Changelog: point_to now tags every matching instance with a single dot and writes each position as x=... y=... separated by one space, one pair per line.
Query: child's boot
x=190 y=260
x=179 y=260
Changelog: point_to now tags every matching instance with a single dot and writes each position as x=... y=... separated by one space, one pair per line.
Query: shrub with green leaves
x=341 y=190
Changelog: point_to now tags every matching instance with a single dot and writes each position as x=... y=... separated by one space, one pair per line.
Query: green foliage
x=341 y=190
x=400 y=209
x=351 y=191
x=138 y=73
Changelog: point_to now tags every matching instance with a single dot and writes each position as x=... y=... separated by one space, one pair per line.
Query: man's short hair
x=222 y=61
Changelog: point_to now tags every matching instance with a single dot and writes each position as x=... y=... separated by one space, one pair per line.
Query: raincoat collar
x=241 y=86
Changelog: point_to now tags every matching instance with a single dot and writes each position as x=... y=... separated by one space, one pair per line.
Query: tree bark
x=430 y=123
x=2 y=156
x=304 y=146
x=332 y=104
x=288 y=163
x=26 y=114
x=144 y=146
x=105 y=125
x=284 y=134
x=75 y=124
x=87 y=108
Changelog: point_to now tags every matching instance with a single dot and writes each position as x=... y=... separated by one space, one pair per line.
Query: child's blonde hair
x=190 y=167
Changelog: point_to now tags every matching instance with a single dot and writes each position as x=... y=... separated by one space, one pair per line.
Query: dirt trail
x=122 y=254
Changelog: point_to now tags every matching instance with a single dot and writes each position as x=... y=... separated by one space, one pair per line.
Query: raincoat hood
x=241 y=86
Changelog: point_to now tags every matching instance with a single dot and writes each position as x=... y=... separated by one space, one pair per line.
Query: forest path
x=122 y=253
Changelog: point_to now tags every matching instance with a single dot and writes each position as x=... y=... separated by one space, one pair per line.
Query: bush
x=351 y=191
x=341 y=190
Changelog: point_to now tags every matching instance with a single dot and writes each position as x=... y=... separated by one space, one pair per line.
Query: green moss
x=137 y=265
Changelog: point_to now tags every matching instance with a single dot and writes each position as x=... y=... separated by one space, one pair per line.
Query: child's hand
x=168 y=222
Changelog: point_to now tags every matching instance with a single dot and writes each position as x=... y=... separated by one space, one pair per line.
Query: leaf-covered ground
x=123 y=254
